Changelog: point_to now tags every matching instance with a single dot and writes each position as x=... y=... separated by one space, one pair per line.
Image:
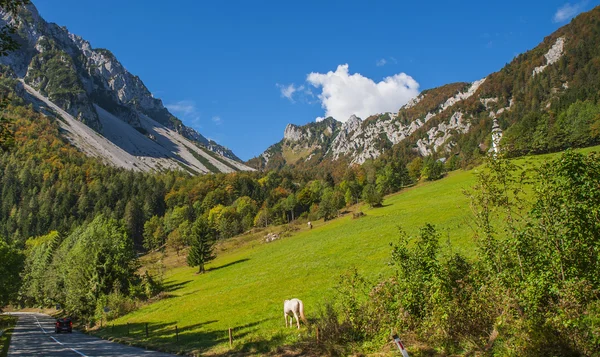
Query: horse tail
x=302 y=312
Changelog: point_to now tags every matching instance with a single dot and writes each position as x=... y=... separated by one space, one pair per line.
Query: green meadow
x=245 y=286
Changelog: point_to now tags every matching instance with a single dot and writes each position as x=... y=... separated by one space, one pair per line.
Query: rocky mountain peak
x=292 y=133
x=352 y=123
x=91 y=85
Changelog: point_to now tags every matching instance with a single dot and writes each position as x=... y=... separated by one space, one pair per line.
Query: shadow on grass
x=172 y=286
x=262 y=346
x=165 y=296
x=169 y=337
x=272 y=346
x=203 y=341
x=134 y=330
x=228 y=264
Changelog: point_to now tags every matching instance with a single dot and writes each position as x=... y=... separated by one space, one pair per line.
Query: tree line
x=51 y=194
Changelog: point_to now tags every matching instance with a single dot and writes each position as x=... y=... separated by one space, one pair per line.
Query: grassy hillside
x=248 y=282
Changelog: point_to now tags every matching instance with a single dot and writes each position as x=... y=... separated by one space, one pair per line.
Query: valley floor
x=246 y=285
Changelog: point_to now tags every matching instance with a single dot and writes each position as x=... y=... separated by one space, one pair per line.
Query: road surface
x=34 y=336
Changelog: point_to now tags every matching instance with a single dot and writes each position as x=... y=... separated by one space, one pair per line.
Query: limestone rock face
x=552 y=56
x=445 y=120
x=294 y=133
x=439 y=135
x=75 y=76
x=357 y=140
x=300 y=143
x=361 y=141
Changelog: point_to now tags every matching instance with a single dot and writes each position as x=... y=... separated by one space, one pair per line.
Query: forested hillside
x=51 y=194
x=48 y=185
x=72 y=228
x=545 y=100
x=102 y=108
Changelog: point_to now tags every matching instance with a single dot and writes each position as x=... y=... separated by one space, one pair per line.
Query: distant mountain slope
x=304 y=143
x=533 y=99
x=358 y=140
x=90 y=86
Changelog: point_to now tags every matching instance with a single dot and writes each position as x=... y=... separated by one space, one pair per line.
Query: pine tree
x=202 y=242
x=11 y=265
x=134 y=221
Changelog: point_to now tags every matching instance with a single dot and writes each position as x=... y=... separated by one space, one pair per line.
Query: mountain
x=103 y=109
x=358 y=140
x=543 y=100
x=304 y=143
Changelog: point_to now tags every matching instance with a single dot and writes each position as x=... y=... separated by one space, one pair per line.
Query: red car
x=64 y=324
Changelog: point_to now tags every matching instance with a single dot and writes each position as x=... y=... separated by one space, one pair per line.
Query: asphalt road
x=34 y=336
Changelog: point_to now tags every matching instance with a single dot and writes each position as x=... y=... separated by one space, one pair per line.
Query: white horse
x=293 y=308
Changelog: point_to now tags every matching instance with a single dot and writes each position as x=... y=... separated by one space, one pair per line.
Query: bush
x=289 y=228
x=443 y=300
x=332 y=331
x=532 y=289
x=432 y=169
x=118 y=305
x=372 y=196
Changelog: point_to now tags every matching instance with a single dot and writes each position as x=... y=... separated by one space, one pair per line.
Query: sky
x=240 y=71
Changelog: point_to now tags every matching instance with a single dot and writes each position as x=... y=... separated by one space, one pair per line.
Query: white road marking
x=38 y=322
x=57 y=341
x=79 y=353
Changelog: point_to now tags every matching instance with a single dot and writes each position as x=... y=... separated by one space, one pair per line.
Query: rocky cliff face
x=358 y=140
x=435 y=121
x=306 y=143
x=66 y=69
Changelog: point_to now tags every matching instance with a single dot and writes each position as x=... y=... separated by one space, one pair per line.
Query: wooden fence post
x=176 y=333
x=128 y=329
x=146 y=330
x=230 y=338
x=317 y=335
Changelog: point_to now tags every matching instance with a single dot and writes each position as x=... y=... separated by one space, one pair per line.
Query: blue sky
x=237 y=70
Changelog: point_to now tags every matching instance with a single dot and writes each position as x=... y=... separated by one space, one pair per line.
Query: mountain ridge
x=457 y=118
x=65 y=69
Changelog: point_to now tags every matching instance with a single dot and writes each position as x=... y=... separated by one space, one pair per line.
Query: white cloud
x=287 y=91
x=186 y=110
x=383 y=61
x=344 y=94
x=217 y=120
x=568 y=10
x=183 y=107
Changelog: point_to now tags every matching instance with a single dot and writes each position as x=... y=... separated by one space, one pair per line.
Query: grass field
x=249 y=280
x=6 y=325
x=291 y=156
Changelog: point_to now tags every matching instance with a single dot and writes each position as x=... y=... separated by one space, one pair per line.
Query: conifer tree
x=202 y=242
x=11 y=265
